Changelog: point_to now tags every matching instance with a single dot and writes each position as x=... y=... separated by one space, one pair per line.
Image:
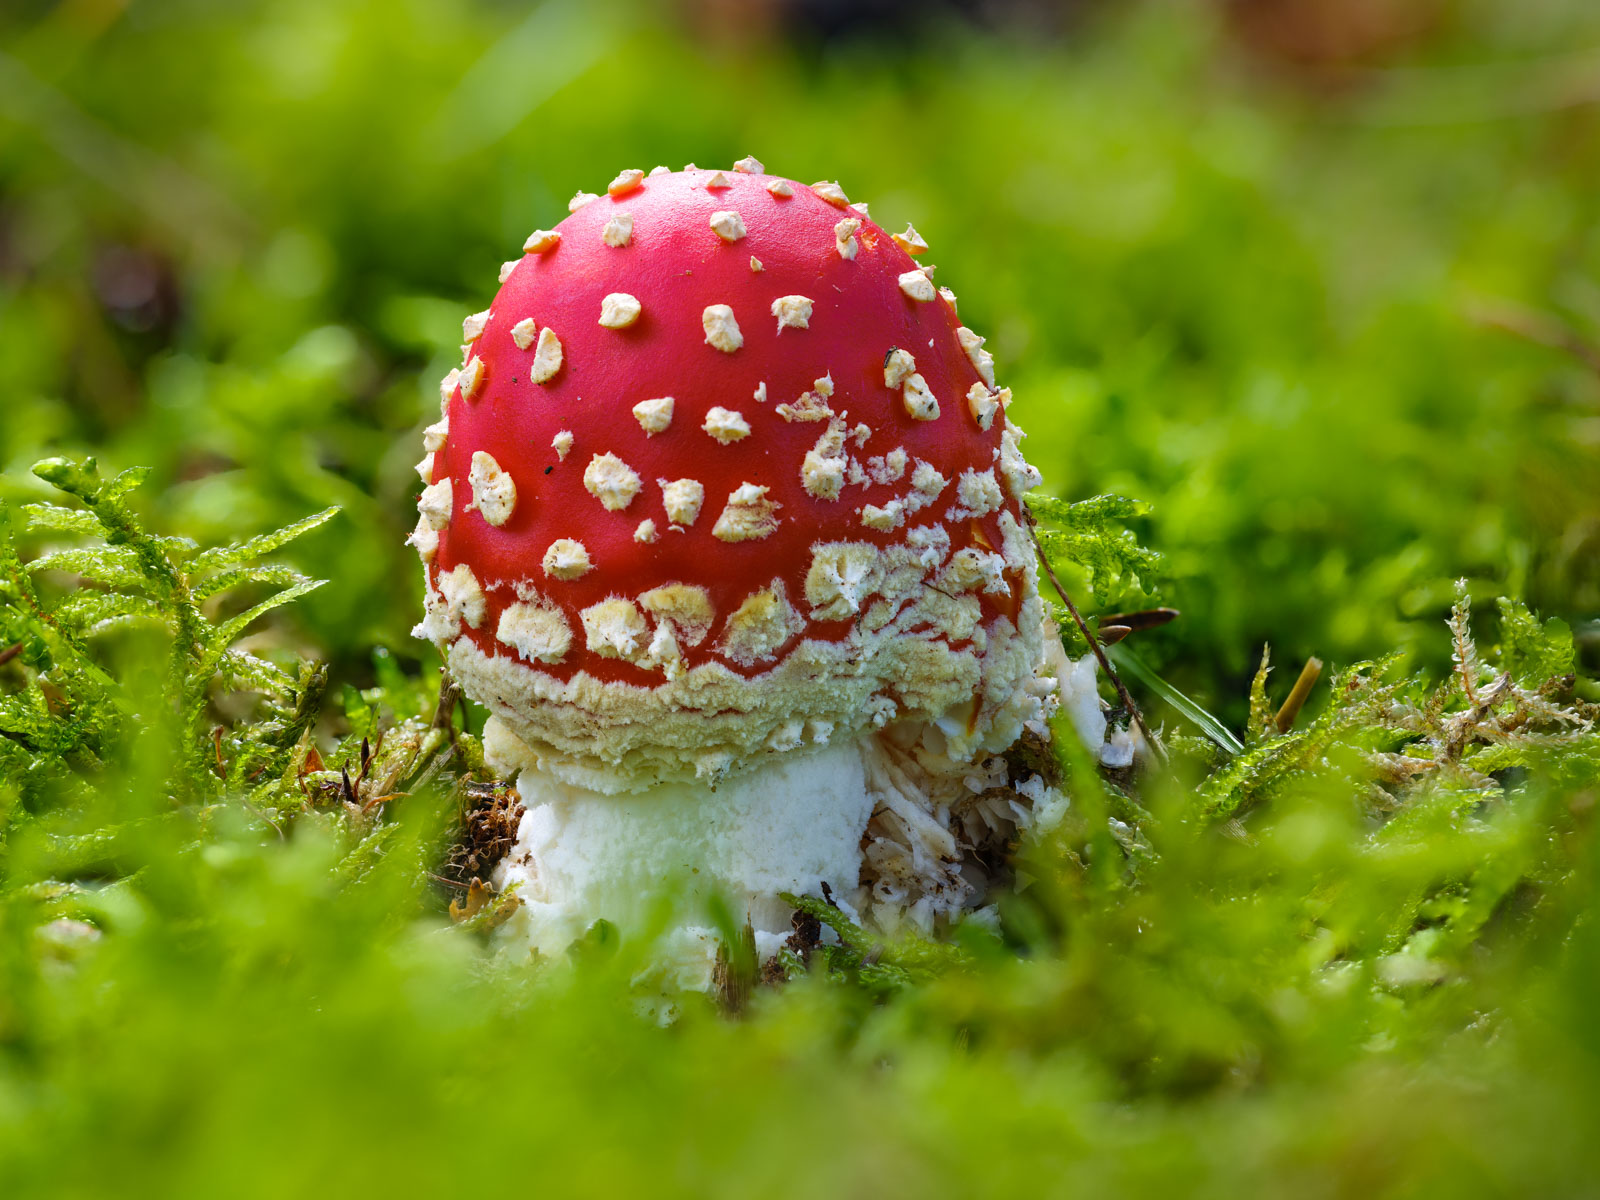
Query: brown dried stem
x=1146 y=618
x=449 y=697
x=1309 y=674
x=1541 y=328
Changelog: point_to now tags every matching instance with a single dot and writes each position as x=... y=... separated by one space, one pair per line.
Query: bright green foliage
x=1257 y=307
x=1248 y=955
x=1419 y=741
x=81 y=710
x=65 y=713
x=1532 y=652
x=1335 y=326
x=1087 y=532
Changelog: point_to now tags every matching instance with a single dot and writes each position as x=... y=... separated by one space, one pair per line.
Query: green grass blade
x=1132 y=665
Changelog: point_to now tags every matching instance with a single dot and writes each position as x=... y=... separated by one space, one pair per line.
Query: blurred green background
x=1252 y=262
x=1314 y=278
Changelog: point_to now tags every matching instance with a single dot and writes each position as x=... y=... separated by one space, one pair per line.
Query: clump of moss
x=220 y=723
x=1242 y=945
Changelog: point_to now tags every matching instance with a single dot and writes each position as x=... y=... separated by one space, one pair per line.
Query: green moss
x=1332 y=338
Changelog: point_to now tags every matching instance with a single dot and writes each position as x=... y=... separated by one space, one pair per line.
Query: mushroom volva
x=723 y=524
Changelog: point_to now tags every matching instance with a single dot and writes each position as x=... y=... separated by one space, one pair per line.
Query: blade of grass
x=1209 y=725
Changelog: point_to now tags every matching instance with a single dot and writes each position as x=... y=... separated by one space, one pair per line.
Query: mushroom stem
x=899 y=830
x=790 y=824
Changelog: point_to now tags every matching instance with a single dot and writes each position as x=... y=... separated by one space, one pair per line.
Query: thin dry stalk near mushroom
x=723 y=523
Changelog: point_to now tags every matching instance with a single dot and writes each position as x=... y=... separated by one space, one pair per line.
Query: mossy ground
x=1333 y=329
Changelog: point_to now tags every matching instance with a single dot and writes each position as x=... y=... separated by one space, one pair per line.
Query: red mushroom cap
x=679 y=399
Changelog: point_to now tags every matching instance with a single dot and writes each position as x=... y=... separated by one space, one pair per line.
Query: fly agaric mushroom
x=724 y=526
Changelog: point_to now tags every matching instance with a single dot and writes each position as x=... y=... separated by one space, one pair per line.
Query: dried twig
x=1297 y=695
x=1094 y=645
x=1145 y=618
x=449 y=695
x=1541 y=328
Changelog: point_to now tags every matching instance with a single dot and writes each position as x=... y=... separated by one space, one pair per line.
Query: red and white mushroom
x=723 y=523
